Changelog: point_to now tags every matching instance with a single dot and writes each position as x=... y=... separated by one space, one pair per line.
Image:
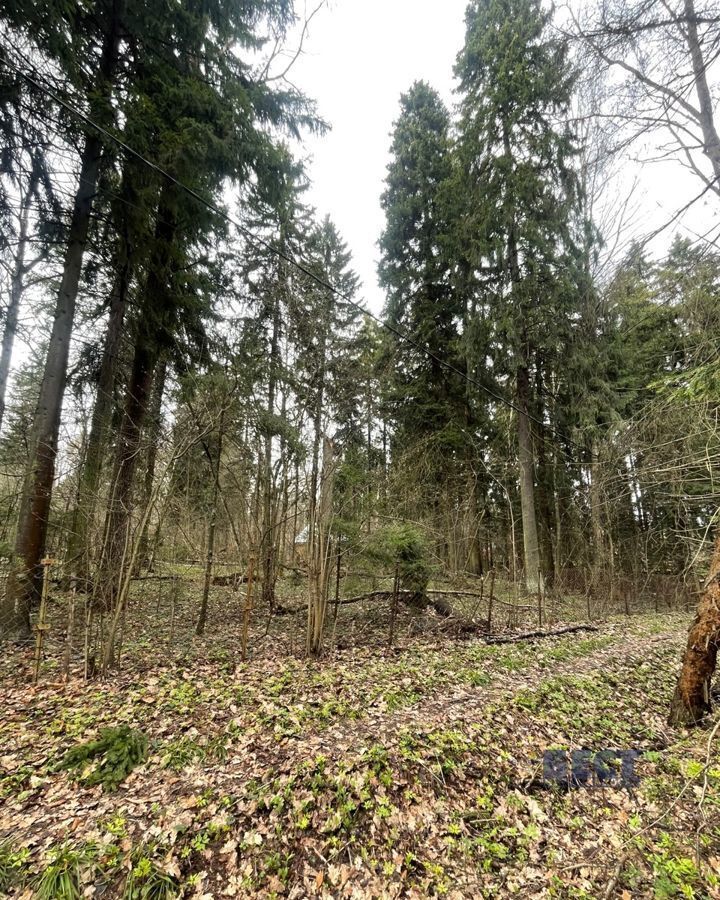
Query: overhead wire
x=267 y=245
x=257 y=240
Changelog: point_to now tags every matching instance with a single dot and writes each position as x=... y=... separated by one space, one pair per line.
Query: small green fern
x=109 y=759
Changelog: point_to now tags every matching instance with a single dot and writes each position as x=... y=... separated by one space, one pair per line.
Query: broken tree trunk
x=691 y=700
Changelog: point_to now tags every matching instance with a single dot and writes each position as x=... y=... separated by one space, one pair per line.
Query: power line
x=254 y=239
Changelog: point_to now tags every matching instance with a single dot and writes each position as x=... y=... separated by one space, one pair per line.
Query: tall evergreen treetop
x=517 y=151
x=516 y=158
x=415 y=269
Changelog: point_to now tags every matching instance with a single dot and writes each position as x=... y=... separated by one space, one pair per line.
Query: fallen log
x=232 y=580
x=529 y=635
x=508 y=603
x=153 y=577
x=412 y=598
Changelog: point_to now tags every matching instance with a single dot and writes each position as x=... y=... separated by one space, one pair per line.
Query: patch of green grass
x=116 y=826
x=73 y=723
x=575 y=649
x=181 y=752
x=600 y=707
x=277 y=864
x=183 y=697
x=443 y=749
x=61 y=879
x=512 y=661
x=397 y=699
x=476 y=678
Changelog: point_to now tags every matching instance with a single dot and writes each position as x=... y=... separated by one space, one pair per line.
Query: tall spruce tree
x=426 y=399
x=521 y=191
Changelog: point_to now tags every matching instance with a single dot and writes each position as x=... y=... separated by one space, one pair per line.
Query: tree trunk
x=319 y=551
x=691 y=700
x=599 y=560
x=154 y=428
x=79 y=553
x=268 y=543
x=202 y=618
x=706 y=120
x=25 y=577
x=118 y=516
x=156 y=306
x=317 y=425
x=473 y=536
x=281 y=540
x=559 y=558
x=296 y=514
x=533 y=576
x=545 y=486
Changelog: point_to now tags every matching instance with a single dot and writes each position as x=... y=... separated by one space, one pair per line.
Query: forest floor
x=414 y=771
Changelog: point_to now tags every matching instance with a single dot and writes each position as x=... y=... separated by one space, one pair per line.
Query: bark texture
x=705 y=115
x=268 y=550
x=79 y=551
x=118 y=519
x=318 y=557
x=212 y=527
x=691 y=700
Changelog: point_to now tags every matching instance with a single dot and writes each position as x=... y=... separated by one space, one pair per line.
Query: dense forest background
x=188 y=376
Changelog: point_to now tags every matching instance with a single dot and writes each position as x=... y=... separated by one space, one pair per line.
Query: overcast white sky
x=360 y=55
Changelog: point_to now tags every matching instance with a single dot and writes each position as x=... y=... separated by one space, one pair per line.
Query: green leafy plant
x=109 y=759
x=674 y=875
x=12 y=865
x=15 y=781
x=147 y=881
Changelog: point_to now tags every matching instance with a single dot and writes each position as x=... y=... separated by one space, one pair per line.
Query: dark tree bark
x=545 y=485
x=525 y=443
x=706 y=112
x=154 y=427
x=25 y=577
x=79 y=552
x=156 y=306
x=118 y=518
x=599 y=553
x=527 y=483
x=691 y=700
